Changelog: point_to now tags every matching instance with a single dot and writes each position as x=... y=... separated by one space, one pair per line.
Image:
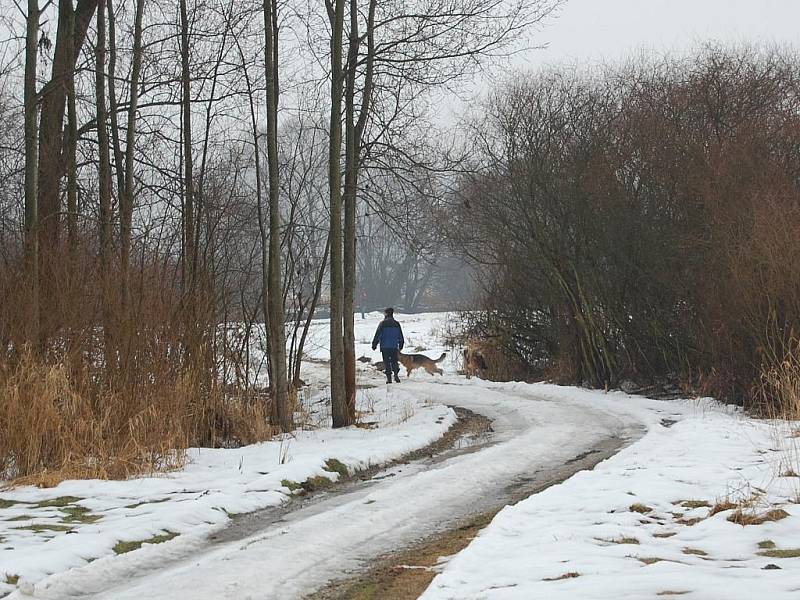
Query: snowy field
x=48 y=531
x=659 y=519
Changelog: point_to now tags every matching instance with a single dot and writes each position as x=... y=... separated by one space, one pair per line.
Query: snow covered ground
x=638 y=526
x=48 y=531
x=642 y=524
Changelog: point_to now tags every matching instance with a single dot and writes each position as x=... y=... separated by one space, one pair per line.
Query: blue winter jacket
x=389 y=335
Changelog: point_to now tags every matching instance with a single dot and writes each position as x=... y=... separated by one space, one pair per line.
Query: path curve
x=339 y=536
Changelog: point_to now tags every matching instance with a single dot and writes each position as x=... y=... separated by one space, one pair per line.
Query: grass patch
x=42 y=527
x=722 y=507
x=795 y=553
x=623 y=540
x=642 y=509
x=7 y=503
x=790 y=473
x=571 y=575
x=124 y=547
x=746 y=518
x=59 y=502
x=11 y=579
x=695 y=552
x=695 y=504
x=79 y=514
x=650 y=560
x=292 y=485
x=767 y=545
x=671 y=593
x=318 y=482
x=689 y=522
x=20 y=518
x=664 y=534
x=334 y=465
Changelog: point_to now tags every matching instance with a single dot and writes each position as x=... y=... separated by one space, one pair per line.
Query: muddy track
x=406 y=573
x=470 y=433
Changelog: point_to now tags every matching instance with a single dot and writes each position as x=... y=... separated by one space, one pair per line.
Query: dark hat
x=388 y=311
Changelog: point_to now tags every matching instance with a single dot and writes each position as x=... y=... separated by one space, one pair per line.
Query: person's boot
x=388 y=379
x=396 y=378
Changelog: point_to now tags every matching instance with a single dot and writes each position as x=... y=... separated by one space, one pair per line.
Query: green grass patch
x=292 y=485
x=334 y=465
x=767 y=545
x=79 y=514
x=318 y=482
x=42 y=527
x=21 y=518
x=794 y=553
x=7 y=503
x=124 y=547
x=59 y=502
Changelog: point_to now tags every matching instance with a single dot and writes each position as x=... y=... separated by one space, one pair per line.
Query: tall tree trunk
x=188 y=175
x=104 y=185
x=72 y=148
x=280 y=387
x=350 y=189
x=31 y=159
x=339 y=409
x=127 y=196
x=51 y=163
x=354 y=132
x=119 y=160
x=104 y=170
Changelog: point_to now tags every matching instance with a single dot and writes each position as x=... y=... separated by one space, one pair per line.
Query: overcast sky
x=589 y=30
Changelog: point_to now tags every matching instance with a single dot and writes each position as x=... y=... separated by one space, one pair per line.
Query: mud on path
x=470 y=433
x=407 y=573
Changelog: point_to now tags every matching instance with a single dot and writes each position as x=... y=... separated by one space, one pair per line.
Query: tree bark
x=339 y=409
x=275 y=288
x=31 y=170
x=104 y=169
x=188 y=175
x=354 y=132
x=127 y=196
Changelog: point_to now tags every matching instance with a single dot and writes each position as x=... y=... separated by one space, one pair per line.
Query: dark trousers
x=391 y=362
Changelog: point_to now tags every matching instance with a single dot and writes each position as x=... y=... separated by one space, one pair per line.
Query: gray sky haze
x=610 y=30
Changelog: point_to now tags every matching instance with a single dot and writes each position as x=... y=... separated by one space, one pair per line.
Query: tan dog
x=420 y=361
x=474 y=360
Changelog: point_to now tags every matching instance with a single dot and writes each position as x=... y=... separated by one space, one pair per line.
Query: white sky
x=592 y=30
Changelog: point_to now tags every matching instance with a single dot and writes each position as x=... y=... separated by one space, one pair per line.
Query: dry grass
x=57 y=422
x=642 y=509
x=747 y=517
x=570 y=575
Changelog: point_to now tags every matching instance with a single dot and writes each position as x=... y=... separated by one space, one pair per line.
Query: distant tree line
x=641 y=223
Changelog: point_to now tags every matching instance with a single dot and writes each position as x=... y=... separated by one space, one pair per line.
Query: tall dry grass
x=115 y=387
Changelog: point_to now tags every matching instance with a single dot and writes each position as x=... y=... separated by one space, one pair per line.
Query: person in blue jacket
x=389 y=336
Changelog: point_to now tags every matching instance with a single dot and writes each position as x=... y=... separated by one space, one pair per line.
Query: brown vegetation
x=642 y=225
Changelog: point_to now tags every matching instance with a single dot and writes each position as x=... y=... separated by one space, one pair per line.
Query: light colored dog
x=420 y=361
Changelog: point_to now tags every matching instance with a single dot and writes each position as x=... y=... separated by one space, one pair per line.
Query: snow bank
x=47 y=531
x=640 y=525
